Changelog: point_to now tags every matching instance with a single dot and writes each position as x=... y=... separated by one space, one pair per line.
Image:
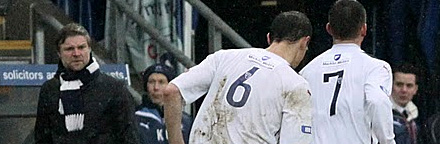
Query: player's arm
x=173 y=114
x=297 y=116
x=187 y=87
x=379 y=108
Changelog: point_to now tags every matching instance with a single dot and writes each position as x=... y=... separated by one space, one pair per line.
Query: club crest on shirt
x=247 y=75
x=265 y=58
x=337 y=57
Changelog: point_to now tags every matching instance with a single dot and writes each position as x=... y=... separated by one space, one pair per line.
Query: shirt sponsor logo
x=262 y=61
x=336 y=59
x=335 y=62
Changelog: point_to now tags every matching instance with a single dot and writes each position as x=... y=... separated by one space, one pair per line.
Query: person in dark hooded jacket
x=150 y=113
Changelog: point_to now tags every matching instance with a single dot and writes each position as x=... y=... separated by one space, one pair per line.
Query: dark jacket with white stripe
x=108 y=114
x=152 y=125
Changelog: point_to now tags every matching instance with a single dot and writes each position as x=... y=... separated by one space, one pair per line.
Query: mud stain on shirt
x=298 y=102
x=218 y=115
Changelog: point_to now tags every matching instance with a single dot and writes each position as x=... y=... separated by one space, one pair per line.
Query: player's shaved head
x=290 y=26
x=346 y=17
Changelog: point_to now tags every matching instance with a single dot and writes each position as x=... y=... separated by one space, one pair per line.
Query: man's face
x=404 y=88
x=75 y=53
x=155 y=86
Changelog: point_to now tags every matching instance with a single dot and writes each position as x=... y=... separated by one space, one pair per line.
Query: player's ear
x=364 y=30
x=268 y=38
x=329 y=29
x=305 y=42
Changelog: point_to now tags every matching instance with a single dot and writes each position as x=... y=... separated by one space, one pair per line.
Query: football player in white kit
x=350 y=90
x=253 y=94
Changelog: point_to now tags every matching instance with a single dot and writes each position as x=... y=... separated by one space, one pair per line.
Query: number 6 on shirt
x=337 y=88
x=237 y=83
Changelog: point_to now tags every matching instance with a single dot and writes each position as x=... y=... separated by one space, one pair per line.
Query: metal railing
x=216 y=25
x=38 y=27
x=214 y=20
x=154 y=33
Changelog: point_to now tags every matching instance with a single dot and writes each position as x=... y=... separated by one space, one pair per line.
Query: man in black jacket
x=80 y=104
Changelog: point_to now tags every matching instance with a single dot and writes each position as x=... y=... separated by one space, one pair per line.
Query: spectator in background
x=404 y=110
x=81 y=104
x=413 y=35
x=150 y=114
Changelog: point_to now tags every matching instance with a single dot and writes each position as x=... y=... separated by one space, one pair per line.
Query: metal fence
x=23 y=111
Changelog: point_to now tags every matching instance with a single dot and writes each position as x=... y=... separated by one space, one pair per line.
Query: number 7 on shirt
x=340 y=75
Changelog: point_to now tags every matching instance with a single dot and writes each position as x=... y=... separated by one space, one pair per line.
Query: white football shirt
x=350 y=96
x=253 y=96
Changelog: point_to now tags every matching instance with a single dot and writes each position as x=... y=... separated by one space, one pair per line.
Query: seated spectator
x=404 y=110
x=150 y=113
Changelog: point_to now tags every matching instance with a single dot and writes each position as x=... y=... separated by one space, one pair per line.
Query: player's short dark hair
x=290 y=26
x=70 y=30
x=407 y=69
x=346 y=17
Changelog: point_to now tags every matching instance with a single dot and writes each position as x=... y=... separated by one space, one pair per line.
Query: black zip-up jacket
x=108 y=114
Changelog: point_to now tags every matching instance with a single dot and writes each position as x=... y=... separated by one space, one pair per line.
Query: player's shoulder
x=373 y=62
x=374 y=66
x=288 y=75
x=314 y=63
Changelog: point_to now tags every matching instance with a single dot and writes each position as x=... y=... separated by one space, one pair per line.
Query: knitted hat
x=158 y=68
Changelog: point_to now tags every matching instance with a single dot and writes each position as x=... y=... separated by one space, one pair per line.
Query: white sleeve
x=297 y=116
x=197 y=80
x=379 y=107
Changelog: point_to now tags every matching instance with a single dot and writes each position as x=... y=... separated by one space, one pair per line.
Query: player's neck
x=284 y=50
x=357 y=41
